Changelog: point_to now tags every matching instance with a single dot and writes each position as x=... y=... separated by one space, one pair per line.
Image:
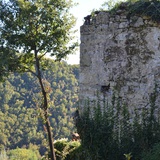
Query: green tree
x=28 y=31
x=22 y=154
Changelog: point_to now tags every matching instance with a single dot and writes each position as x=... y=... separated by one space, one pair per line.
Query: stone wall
x=122 y=55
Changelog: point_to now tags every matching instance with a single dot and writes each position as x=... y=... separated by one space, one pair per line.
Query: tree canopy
x=30 y=29
x=35 y=26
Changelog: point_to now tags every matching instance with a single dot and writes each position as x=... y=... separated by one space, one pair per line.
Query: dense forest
x=20 y=117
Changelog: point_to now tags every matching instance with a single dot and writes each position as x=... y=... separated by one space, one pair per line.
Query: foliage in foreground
x=3 y=155
x=110 y=131
x=22 y=154
x=65 y=150
x=153 y=154
x=68 y=150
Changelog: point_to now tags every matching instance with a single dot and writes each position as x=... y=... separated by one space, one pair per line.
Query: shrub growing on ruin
x=108 y=131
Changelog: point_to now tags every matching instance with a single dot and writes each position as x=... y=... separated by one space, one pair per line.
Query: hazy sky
x=83 y=9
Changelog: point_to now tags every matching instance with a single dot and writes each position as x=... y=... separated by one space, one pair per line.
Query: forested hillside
x=20 y=97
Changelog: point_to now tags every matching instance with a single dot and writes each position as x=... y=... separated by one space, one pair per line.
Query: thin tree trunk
x=45 y=108
x=53 y=156
x=47 y=121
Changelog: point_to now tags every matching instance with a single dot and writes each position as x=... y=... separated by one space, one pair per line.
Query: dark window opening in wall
x=105 y=88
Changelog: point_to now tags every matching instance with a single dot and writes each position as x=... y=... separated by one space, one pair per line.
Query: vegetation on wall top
x=148 y=8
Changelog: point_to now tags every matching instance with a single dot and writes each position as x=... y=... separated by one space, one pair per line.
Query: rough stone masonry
x=122 y=55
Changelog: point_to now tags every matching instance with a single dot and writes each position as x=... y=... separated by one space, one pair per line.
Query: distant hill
x=20 y=122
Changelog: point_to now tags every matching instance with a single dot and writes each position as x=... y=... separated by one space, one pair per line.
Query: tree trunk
x=47 y=121
x=45 y=107
x=52 y=152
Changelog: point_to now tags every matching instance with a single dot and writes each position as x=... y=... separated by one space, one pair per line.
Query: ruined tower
x=120 y=54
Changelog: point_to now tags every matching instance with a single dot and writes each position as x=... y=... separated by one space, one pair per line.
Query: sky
x=80 y=11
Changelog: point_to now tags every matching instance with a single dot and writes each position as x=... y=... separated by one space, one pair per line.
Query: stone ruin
x=120 y=55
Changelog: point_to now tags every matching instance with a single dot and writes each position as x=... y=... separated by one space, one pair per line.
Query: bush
x=22 y=154
x=68 y=150
x=3 y=155
x=110 y=131
x=153 y=154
